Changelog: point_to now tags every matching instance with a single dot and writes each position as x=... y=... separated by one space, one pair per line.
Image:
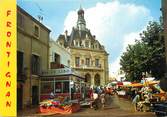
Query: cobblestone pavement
x=118 y=108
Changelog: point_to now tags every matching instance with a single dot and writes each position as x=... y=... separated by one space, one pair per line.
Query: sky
x=116 y=23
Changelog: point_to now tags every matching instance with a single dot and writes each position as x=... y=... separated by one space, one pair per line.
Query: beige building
x=32 y=57
x=88 y=56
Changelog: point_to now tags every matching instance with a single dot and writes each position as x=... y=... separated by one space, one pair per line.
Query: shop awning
x=120 y=83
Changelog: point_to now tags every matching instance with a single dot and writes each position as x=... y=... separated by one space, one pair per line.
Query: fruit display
x=59 y=101
x=58 y=105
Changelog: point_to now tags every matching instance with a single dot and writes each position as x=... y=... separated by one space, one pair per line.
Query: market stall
x=122 y=89
x=60 y=91
x=150 y=93
x=62 y=82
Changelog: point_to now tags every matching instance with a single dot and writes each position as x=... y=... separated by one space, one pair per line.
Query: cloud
x=114 y=66
x=128 y=39
x=115 y=25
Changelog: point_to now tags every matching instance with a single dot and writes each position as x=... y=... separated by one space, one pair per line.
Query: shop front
x=61 y=82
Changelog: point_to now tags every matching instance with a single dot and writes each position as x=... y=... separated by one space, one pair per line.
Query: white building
x=58 y=54
x=120 y=76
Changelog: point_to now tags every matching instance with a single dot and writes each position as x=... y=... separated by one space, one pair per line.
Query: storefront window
x=65 y=87
x=58 y=87
x=77 y=88
x=47 y=87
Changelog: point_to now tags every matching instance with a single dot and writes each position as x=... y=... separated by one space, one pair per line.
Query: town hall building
x=88 y=56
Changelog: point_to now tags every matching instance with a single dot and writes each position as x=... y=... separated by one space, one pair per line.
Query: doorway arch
x=97 y=80
x=87 y=78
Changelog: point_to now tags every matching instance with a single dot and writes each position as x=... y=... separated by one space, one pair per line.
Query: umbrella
x=158 y=88
x=136 y=85
x=151 y=82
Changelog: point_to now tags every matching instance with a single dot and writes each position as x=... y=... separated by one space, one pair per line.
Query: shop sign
x=62 y=71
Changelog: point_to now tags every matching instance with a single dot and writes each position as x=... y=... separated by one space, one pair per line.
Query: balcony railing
x=54 y=65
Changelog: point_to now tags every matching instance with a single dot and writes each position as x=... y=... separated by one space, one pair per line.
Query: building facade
x=164 y=18
x=120 y=75
x=58 y=55
x=88 y=56
x=32 y=57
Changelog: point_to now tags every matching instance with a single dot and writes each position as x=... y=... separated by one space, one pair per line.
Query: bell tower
x=81 y=23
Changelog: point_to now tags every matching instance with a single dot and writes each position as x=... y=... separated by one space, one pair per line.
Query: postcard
x=83 y=58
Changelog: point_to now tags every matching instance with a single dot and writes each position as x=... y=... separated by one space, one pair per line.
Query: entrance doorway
x=97 y=80
x=88 y=78
x=35 y=95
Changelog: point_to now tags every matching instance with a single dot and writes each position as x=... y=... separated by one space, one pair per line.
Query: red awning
x=119 y=83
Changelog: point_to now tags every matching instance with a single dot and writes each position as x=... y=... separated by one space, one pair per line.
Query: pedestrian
x=136 y=99
x=90 y=93
x=102 y=99
x=72 y=93
x=52 y=95
x=97 y=104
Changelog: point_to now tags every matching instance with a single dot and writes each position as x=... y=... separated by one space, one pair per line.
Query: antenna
x=40 y=17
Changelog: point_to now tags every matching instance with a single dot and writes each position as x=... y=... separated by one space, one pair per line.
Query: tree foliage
x=146 y=55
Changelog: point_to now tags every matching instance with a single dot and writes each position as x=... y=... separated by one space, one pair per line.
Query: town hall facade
x=88 y=56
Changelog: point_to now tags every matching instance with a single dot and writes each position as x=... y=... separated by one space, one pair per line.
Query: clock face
x=163 y=84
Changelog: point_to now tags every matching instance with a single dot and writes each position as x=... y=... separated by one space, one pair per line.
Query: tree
x=147 y=55
x=156 y=44
x=133 y=61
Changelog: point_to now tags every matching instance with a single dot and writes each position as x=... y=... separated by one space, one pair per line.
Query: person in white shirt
x=95 y=96
x=52 y=96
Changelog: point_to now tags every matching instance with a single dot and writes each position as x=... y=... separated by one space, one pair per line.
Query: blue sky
x=116 y=23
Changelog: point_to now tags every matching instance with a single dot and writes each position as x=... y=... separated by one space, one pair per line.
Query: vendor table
x=60 y=109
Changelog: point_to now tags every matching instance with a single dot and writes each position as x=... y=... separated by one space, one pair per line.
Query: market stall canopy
x=136 y=85
x=151 y=82
x=157 y=86
x=111 y=84
x=120 y=83
x=150 y=79
x=126 y=83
